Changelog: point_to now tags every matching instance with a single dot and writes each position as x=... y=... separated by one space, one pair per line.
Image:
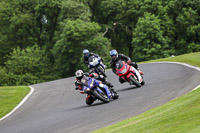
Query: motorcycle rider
x=79 y=83
x=115 y=57
x=86 y=56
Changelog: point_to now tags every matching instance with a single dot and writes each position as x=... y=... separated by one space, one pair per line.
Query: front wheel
x=102 y=71
x=101 y=96
x=143 y=82
x=134 y=81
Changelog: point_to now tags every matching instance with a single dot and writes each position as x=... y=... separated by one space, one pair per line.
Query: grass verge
x=179 y=115
x=192 y=59
x=10 y=97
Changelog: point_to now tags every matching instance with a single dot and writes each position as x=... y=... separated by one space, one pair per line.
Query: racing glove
x=129 y=62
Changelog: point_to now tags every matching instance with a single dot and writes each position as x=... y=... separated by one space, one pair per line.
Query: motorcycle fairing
x=95 y=62
x=137 y=74
x=91 y=83
x=105 y=87
x=125 y=71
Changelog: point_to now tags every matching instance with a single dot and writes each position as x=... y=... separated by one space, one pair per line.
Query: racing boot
x=134 y=64
x=108 y=84
x=103 y=79
x=142 y=73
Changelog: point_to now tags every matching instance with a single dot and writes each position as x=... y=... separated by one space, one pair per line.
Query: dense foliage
x=42 y=40
x=27 y=66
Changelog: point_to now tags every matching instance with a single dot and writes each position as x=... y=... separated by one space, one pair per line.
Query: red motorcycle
x=129 y=73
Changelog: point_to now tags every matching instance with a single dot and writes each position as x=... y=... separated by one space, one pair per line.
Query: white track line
x=184 y=64
x=20 y=104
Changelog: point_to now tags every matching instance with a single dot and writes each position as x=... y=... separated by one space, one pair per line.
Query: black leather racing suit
x=123 y=58
x=85 y=59
x=86 y=62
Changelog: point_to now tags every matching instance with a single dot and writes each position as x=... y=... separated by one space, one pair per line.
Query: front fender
x=130 y=74
x=105 y=87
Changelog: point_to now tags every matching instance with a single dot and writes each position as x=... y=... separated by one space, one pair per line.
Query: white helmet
x=79 y=74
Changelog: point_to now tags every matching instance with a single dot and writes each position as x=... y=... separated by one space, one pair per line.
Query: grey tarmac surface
x=56 y=107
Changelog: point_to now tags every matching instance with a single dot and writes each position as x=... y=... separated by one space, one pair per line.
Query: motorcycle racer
x=79 y=85
x=87 y=54
x=115 y=57
x=99 y=77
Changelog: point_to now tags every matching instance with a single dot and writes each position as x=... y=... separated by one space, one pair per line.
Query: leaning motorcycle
x=129 y=73
x=96 y=91
x=97 y=64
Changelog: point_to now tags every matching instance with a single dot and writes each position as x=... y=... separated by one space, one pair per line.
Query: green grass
x=192 y=58
x=181 y=115
x=177 y=116
x=10 y=97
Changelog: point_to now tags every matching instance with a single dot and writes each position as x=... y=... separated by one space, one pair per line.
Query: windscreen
x=119 y=64
x=93 y=61
x=121 y=68
x=84 y=81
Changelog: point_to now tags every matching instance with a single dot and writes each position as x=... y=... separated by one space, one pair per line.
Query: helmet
x=79 y=74
x=114 y=54
x=86 y=53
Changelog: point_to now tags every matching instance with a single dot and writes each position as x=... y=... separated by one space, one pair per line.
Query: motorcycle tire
x=143 y=82
x=134 y=81
x=116 y=96
x=101 y=96
x=90 y=101
x=102 y=72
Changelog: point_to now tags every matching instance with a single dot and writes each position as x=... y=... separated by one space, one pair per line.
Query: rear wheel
x=134 y=81
x=101 y=96
x=143 y=82
x=116 y=96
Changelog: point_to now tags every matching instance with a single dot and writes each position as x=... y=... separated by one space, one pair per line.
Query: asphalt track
x=56 y=107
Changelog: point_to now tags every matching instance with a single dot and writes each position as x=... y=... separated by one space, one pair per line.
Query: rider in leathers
x=86 y=56
x=115 y=57
x=80 y=81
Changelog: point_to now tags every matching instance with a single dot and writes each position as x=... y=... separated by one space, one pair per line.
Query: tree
x=148 y=41
x=16 y=26
x=76 y=36
x=28 y=66
x=171 y=27
x=110 y=14
x=187 y=24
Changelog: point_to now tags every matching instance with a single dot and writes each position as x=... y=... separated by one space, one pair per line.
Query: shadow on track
x=128 y=89
x=87 y=106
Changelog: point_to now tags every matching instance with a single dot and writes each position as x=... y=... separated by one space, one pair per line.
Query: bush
x=28 y=66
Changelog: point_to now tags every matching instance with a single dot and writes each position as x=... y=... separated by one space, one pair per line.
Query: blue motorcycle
x=97 y=90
